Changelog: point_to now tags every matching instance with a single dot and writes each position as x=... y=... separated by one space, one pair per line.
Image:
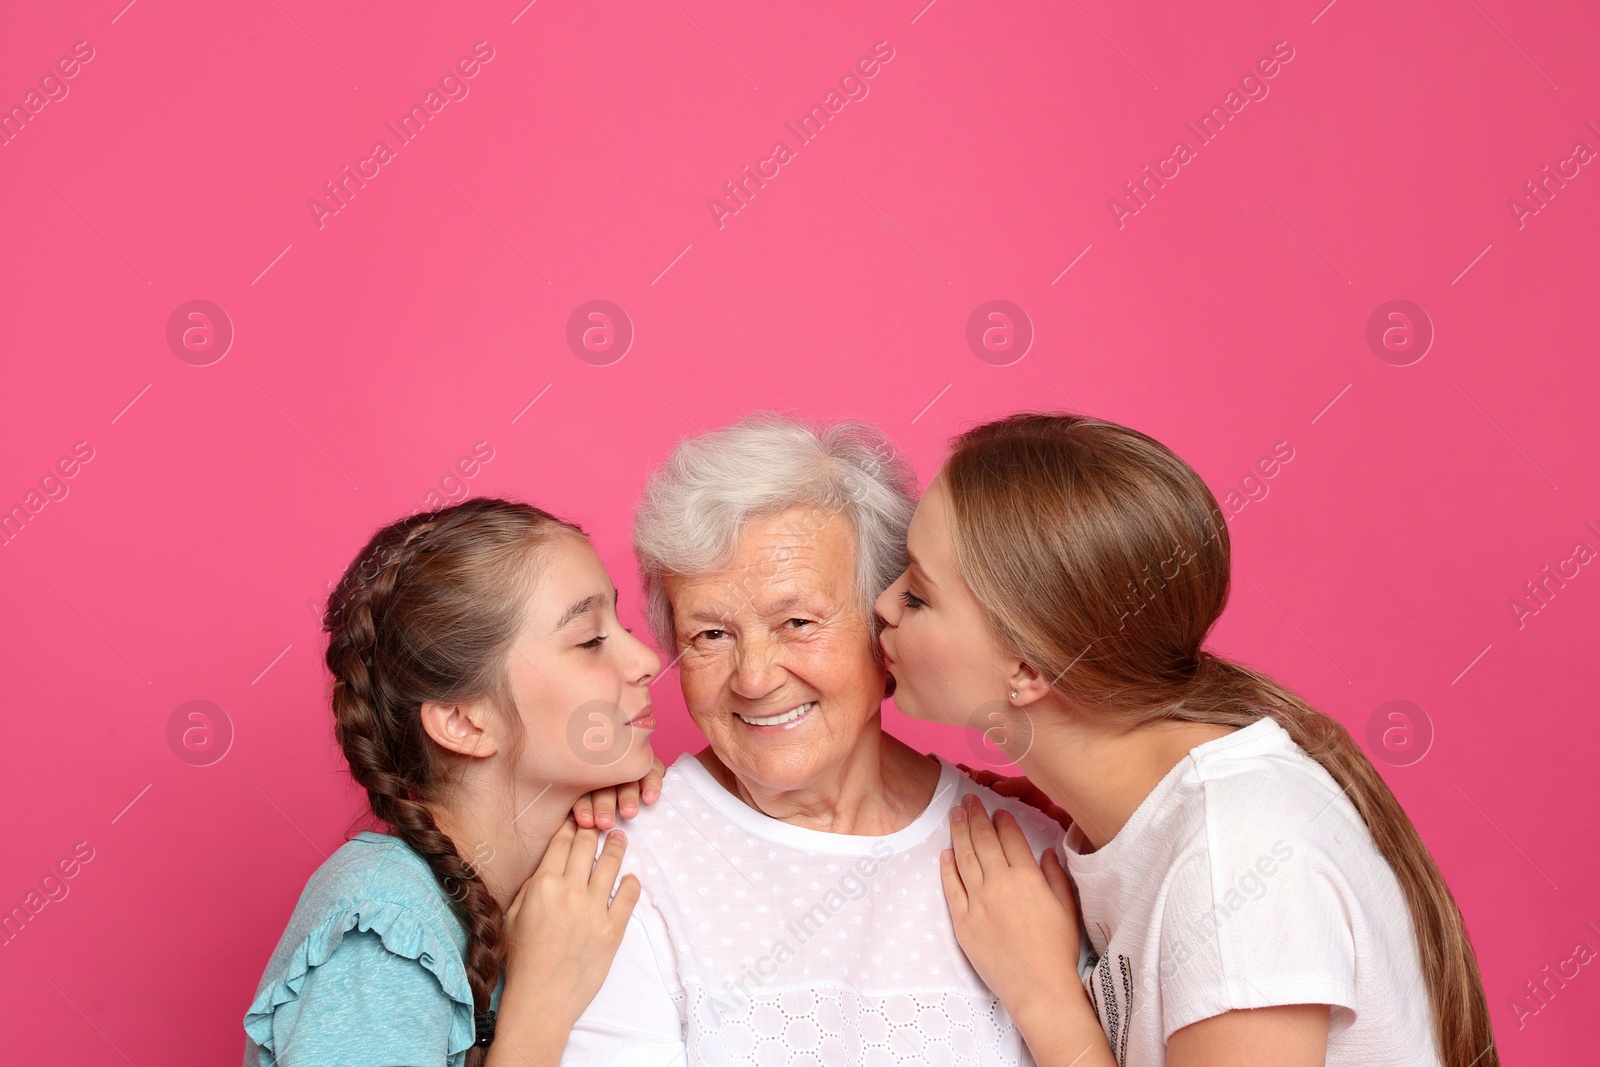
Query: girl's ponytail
x=1103 y=560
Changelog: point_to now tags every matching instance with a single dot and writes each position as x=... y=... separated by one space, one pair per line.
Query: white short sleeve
x=1256 y=924
x=1247 y=879
x=633 y=1021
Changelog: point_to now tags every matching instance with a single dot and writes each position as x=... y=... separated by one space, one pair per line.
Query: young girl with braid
x=482 y=686
x=1252 y=892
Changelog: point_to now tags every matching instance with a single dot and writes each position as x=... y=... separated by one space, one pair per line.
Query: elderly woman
x=792 y=910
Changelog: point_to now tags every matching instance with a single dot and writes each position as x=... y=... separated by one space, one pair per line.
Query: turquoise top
x=370 y=971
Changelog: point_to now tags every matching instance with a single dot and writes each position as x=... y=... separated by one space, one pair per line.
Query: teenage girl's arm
x=1295 y=1035
x=601 y=807
x=561 y=934
x=1017 y=922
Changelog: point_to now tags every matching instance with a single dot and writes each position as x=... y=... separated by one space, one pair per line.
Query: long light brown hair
x=1102 y=560
x=428 y=612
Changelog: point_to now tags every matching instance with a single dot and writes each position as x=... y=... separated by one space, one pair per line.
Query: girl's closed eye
x=910 y=599
x=594 y=642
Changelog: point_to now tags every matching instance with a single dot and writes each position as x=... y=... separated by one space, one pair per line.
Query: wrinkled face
x=579 y=679
x=947 y=663
x=777 y=662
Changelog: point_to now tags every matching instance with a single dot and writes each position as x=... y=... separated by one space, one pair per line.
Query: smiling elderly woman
x=792 y=910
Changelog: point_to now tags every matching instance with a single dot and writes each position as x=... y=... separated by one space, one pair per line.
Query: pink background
x=370 y=354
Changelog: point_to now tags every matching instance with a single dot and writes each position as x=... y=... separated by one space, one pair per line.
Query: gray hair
x=697 y=502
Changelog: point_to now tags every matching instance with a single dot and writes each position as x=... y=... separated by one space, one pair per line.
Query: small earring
x=1013 y=694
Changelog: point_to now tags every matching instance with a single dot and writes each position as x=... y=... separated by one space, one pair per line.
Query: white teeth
x=778 y=720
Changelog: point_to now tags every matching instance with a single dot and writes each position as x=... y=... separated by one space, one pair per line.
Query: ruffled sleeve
x=373 y=982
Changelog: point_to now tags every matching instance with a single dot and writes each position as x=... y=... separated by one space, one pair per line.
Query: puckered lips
x=643 y=719
x=778 y=719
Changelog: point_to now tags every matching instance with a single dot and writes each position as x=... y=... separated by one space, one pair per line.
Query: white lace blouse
x=758 y=942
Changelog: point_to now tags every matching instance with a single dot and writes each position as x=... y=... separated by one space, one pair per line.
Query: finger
x=1057 y=879
x=605 y=807
x=966 y=859
x=984 y=841
x=622 y=904
x=650 y=787
x=609 y=863
x=1038 y=798
x=955 y=891
x=1022 y=789
x=1012 y=840
x=516 y=901
x=628 y=799
x=583 y=810
x=580 y=860
x=555 y=855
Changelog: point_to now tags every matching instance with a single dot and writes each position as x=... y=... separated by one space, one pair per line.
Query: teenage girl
x=1252 y=892
x=481 y=685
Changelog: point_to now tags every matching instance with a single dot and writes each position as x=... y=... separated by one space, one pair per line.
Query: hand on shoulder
x=1017 y=922
x=564 y=926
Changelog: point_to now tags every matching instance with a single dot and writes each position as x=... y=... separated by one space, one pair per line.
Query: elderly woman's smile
x=784 y=719
x=777 y=665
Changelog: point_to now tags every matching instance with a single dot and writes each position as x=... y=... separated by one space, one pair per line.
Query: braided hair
x=428 y=612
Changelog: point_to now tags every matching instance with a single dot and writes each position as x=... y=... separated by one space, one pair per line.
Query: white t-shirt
x=758 y=942
x=1247 y=879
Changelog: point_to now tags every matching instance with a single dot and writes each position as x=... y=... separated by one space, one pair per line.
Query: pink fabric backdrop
x=188 y=486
